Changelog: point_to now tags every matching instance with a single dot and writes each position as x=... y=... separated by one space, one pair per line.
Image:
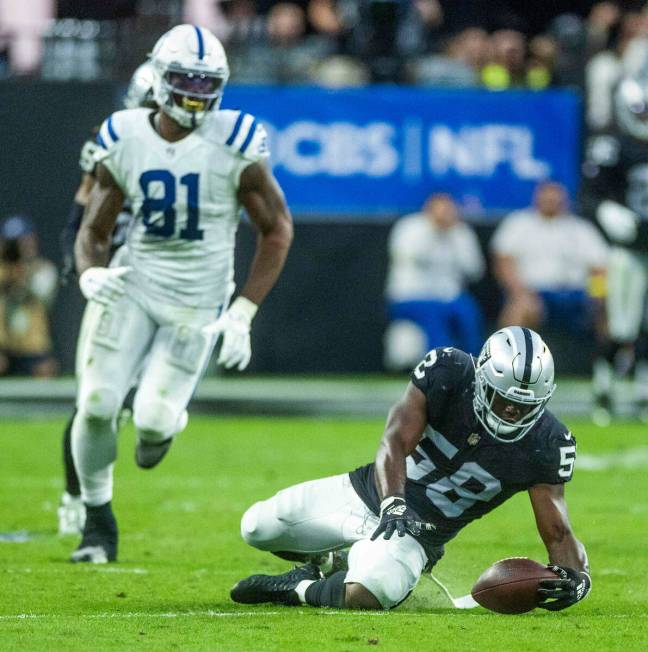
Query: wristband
x=245 y=308
x=390 y=499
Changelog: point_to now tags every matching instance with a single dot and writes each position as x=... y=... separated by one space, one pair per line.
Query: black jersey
x=616 y=169
x=458 y=472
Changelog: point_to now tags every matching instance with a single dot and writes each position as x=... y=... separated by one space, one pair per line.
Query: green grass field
x=180 y=550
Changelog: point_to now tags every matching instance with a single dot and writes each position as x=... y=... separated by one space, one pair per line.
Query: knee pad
x=100 y=403
x=388 y=569
x=259 y=527
x=155 y=420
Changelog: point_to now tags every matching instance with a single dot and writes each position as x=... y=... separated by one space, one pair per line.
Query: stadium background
x=327 y=313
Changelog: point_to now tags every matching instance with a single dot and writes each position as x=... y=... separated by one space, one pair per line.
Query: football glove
x=396 y=516
x=234 y=325
x=103 y=284
x=87 y=158
x=567 y=589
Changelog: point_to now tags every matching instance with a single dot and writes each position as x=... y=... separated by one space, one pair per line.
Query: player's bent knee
x=388 y=569
x=155 y=420
x=101 y=403
x=359 y=597
x=259 y=527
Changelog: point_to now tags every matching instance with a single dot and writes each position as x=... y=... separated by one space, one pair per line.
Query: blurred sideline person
x=71 y=511
x=159 y=308
x=466 y=436
x=432 y=257
x=616 y=196
x=550 y=264
x=27 y=289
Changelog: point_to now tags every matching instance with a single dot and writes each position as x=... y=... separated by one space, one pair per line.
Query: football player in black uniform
x=615 y=176
x=71 y=511
x=465 y=437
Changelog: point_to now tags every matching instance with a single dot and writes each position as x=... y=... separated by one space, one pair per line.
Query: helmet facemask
x=190 y=94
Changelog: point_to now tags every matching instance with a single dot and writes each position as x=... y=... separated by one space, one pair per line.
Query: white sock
x=94 y=448
x=300 y=589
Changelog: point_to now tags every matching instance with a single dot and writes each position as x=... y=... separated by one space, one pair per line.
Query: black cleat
x=149 y=455
x=279 y=589
x=99 y=541
x=332 y=562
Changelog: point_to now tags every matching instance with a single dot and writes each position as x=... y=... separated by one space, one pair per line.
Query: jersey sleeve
x=558 y=456
x=439 y=374
x=248 y=140
x=111 y=146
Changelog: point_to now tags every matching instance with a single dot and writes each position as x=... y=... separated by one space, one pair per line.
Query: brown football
x=510 y=586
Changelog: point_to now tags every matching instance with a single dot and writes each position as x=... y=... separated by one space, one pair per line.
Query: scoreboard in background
x=380 y=151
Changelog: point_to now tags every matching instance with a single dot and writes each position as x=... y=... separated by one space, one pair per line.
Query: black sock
x=71 y=478
x=329 y=592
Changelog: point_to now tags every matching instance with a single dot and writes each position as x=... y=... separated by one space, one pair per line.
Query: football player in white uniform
x=159 y=308
x=71 y=511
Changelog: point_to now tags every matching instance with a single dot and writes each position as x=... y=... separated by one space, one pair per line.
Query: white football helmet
x=631 y=106
x=140 y=88
x=192 y=71
x=514 y=380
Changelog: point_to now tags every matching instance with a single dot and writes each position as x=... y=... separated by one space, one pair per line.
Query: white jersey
x=184 y=200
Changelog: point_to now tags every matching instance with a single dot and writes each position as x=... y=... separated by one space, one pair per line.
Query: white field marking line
x=113 y=569
x=464 y=602
x=136 y=614
x=263 y=614
x=632 y=458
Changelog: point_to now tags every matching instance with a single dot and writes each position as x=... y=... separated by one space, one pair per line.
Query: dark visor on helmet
x=194 y=83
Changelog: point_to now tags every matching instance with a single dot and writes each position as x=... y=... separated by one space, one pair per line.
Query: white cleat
x=90 y=555
x=71 y=515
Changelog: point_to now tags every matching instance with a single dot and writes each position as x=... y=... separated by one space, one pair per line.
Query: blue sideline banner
x=382 y=150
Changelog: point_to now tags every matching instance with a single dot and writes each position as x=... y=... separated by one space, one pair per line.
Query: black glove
x=396 y=515
x=567 y=589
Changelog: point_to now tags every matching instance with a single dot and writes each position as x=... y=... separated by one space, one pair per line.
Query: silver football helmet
x=140 y=88
x=631 y=107
x=514 y=380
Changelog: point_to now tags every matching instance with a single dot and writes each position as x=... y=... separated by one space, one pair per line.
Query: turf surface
x=180 y=550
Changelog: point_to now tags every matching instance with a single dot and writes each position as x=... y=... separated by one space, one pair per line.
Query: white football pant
x=327 y=514
x=161 y=343
x=626 y=298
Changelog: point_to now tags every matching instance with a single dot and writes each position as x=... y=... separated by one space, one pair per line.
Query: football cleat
x=332 y=562
x=149 y=455
x=99 y=542
x=71 y=515
x=279 y=589
x=602 y=410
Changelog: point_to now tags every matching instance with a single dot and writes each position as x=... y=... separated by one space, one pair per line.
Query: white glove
x=103 y=284
x=88 y=156
x=234 y=324
x=619 y=222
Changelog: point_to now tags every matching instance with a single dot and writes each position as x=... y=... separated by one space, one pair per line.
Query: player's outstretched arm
x=567 y=554
x=405 y=425
x=92 y=245
x=264 y=202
